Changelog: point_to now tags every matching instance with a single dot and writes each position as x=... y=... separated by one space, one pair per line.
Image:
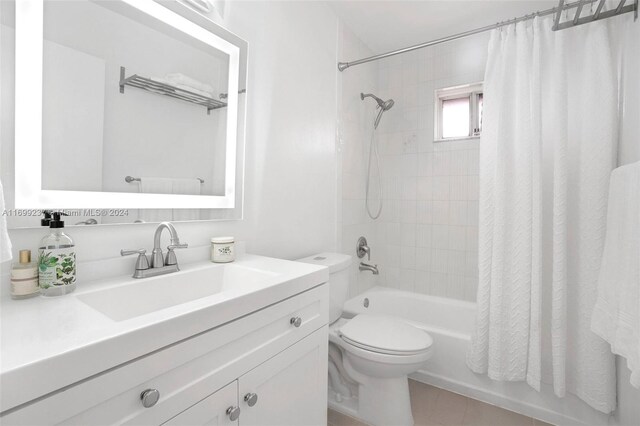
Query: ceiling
x=393 y=24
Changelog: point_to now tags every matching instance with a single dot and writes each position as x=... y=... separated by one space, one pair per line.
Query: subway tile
x=410 y=142
x=407 y=279
x=472 y=238
x=424 y=188
x=410 y=95
x=472 y=187
x=408 y=165
x=439 y=260
x=471 y=264
x=423 y=235
x=458 y=188
x=440 y=212
x=457 y=262
x=423 y=258
x=409 y=188
x=438 y=283
x=408 y=257
x=440 y=237
x=392 y=276
x=473 y=213
x=424 y=212
x=441 y=163
x=392 y=255
x=408 y=211
x=440 y=185
x=425 y=164
x=474 y=162
x=422 y=281
x=455 y=286
x=408 y=234
x=457 y=238
x=458 y=212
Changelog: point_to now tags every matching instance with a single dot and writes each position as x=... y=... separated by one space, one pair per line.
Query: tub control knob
x=251 y=399
x=149 y=397
x=296 y=321
x=233 y=413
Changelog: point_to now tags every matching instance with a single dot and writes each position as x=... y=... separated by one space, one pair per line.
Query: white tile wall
x=354 y=132
x=428 y=232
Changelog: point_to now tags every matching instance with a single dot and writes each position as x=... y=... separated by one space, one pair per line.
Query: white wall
x=355 y=124
x=290 y=182
x=429 y=226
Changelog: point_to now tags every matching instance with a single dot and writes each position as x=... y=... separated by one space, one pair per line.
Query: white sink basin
x=142 y=296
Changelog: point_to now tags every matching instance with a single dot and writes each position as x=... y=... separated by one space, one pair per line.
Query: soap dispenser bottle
x=56 y=260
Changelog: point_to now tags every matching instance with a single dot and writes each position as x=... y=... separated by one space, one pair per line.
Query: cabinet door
x=291 y=387
x=211 y=411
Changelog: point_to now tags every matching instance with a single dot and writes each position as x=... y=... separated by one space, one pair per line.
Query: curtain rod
x=560 y=8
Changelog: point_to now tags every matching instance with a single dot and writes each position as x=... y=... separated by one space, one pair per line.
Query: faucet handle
x=177 y=246
x=124 y=252
x=142 y=262
x=171 y=258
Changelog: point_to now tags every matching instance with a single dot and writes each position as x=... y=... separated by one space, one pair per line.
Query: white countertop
x=49 y=343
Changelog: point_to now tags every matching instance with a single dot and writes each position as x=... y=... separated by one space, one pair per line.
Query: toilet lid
x=385 y=334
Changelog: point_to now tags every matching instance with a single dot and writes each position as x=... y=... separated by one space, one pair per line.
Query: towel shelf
x=165 y=89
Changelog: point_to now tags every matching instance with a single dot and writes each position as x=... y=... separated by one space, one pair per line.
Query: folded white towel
x=616 y=314
x=5 y=242
x=194 y=90
x=178 y=78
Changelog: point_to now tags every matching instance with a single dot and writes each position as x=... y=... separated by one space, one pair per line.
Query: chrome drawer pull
x=296 y=321
x=251 y=399
x=149 y=397
x=233 y=413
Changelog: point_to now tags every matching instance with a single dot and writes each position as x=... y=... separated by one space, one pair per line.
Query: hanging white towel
x=186 y=187
x=616 y=315
x=153 y=185
x=5 y=242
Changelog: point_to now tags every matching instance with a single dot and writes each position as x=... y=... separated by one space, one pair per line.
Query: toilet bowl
x=378 y=352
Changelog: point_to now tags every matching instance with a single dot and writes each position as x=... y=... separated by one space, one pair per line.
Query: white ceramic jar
x=223 y=249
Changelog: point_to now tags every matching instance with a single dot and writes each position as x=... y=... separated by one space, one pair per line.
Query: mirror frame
x=29 y=193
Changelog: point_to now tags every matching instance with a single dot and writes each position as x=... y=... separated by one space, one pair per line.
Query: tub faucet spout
x=367 y=267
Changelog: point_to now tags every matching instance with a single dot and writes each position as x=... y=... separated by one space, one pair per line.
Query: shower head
x=385 y=105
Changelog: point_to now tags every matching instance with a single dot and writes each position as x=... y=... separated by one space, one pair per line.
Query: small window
x=458 y=112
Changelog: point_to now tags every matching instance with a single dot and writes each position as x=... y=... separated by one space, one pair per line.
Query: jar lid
x=25 y=256
x=222 y=240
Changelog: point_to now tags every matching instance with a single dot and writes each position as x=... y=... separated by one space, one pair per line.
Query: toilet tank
x=338 y=265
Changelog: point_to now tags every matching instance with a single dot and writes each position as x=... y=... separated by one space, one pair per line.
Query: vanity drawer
x=183 y=373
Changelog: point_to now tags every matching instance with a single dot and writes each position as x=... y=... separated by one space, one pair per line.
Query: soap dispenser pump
x=57 y=260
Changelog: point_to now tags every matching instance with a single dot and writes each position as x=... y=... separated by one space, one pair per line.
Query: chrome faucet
x=367 y=267
x=159 y=265
x=363 y=249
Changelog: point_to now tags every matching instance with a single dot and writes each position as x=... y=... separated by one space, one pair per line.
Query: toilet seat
x=385 y=335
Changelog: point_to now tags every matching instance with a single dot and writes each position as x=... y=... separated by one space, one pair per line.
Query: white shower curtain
x=547 y=148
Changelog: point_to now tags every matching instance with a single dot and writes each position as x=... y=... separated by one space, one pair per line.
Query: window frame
x=471 y=91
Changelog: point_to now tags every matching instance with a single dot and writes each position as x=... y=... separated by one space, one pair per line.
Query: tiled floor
x=437 y=407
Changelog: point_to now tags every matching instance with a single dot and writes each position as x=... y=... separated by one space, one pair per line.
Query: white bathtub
x=450 y=323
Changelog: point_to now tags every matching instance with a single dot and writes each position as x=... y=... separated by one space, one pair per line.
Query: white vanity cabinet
x=278 y=353
x=285 y=389
x=219 y=409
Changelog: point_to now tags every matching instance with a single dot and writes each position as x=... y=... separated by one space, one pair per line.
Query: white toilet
x=376 y=354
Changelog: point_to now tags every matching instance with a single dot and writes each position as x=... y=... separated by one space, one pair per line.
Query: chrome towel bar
x=130 y=179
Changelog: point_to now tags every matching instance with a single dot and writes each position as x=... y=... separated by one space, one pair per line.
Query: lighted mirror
x=134 y=105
